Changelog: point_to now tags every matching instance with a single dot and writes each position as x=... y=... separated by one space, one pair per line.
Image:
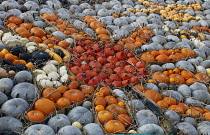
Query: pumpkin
x=160 y=77
x=150 y=129
x=23 y=32
x=77 y=125
x=114 y=126
x=187 y=128
x=80 y=114
x=74 y=85
x=172 y=116
x=147 y=57
x=116 y=109
x=39 y=129
x=169 y=100
x=87 y=104
x=110 y=100
x=74 y=95
x=155 y=96
x=58 y=121
x=23 y=76
x=26 y=91
x=87 y=89
x=93 y=129
x=100 y=101
x=10 y=124
x=105 y=91
x=6 y=85
x=69 y=130
x=99 y=108
x=35 y=115
x=146 y=117
x=51 y=93
x=125 y=120
x=163 y=104
x=3 y=98
x=63 y=102
x=177 y=109
x=188 y=52
x=44 y=105
x=15 y=20
x=136 y=104
x=104 y=116
x=14 y=107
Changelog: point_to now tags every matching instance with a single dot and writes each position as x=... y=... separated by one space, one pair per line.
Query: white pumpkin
x=69 y=130
x=80 y=114
x=77 y=125
x=49 y=68
x=40 y=77
x=54 y=76
x=38 y=129
x=146 y=117
x=64 y=78
x=62 y=70
x=26 y=91
x=58 y=121
x=14 y=107
x=93 y=129
x=10 y=124
x=46 y=83
x=6 y=85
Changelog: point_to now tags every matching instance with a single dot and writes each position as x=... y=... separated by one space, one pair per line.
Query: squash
x=136 y=104
x=77 y=125
x=87 y=104
x=80 y=114
x=58 y=121
x=23 y=76
x=69 y=130
x=26 y=91
x=3 y=98
x=150 y=129
x=146 y=117
x=10 y=124
x=14 y=107
x=114 y=126
x=39 y=129
x=44 y=105
x=6 y=85
x=187 y=128
x=172 y=116
x=93 y=129
x=35 y=116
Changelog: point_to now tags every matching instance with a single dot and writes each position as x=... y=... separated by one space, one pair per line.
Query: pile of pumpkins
x=132 y=67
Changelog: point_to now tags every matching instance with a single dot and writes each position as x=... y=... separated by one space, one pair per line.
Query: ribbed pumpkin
x=35 y=116
x=146 y=57
x=44 y=105
x=23 y=32
x=160 y=77
x=100 y=101
x=110 y=100
x=74 y=95
x=104 y=116
x=87 y=89
x=125 y=120
x=38 y=32
x=114 y=126
x=51 y=93
x=105 y=91
x=116 y=109
x=155 y=96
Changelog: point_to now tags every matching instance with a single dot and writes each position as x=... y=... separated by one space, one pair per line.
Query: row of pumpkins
x=50 y=65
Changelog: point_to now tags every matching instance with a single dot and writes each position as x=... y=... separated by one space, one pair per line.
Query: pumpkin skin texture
x=58 y=121
x=69 y=130
x=6 y=85
x=10 y=124
x=35 y=115
x=26 y=91
x=93 y=129
x=80 y=114
x=23 y=76
x=146 y=117
x=74 y=95
x=44 y=105
x=150 y=129
x=14 y=107
x=114 y=126
x=39 y=129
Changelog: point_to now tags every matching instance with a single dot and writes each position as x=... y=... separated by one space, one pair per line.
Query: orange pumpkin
x=74 y=85
x=186 y=74
x=23 y=32
x=162 y=58
x=192 y=112
x=38 y=32
x=10 y=57
x=139 y=87
x=105 y=91
x=100 y=101
x=99 y=108
x=146 y=57
x=96 y=24
x=176 y=78
x=114 y=126
x=202 y=77
x=74 y=95
x=63 y=102
x=124 y=119
x=35 y=39
x=35 y=116
x=116 y=109
x=15 y=62
x=104 y=116
x=170 y=100
x=188 y=52
x=155 y=96
x=51 y=93
x=104 y=37
x=160 y=77
x=87 y=89
x=183 y=106
x=207 y=115
x=15 y=20
x=110 y=100
x=101 y=30
x=177 y=109
x=62 y=89
x=163 y=104
x=50 y=16
x=26 y=25
x=44 y=105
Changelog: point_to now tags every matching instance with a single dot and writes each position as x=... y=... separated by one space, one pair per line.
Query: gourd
x=187 y=128
x=146 y=117
x=10 y=124
x=58 y=121
x=39 y=129
x=23 y=76
x=77 y=125
x=69 y=130
x=80 y=114
x=3 y=73
x=49 y=68
x=93 y=129
x=26 y=91
x=150 y=129
x=14 y=107
x=6 y=85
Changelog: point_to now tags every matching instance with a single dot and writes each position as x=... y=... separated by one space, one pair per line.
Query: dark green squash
x=18 y=50
x=40 y=55
x=25 y=56
x=21 y=67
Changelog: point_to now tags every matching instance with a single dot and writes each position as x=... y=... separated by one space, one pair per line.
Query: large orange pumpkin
x=51 y=93
x=114 y=126
x=154 y=95
x=44 y=105
x=35 y=116
x=104 y=116
x=74 y=95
